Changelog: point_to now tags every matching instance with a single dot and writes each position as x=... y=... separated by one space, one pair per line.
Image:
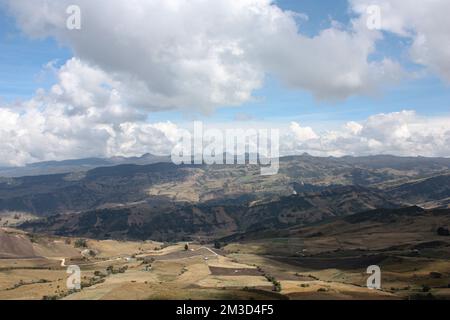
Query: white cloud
x=303 y=133
x=83 y=115
x=136 y=57
x=44 y=128
x=353 y=127
x=194 y=55
x=425 y=22
x=400 y=133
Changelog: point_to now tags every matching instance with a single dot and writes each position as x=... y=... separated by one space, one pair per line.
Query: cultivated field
x=34 y=267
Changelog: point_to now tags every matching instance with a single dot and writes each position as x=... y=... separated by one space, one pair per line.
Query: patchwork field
x=246 y=270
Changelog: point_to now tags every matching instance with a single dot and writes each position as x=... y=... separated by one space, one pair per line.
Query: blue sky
x=22 y=61
x=22 y=72
x=134 y=88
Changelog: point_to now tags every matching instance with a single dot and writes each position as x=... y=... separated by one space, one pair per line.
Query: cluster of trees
x=111 y=270
x=276 y=284
x=80 y=243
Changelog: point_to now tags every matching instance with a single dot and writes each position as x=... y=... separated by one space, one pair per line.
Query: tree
x=425 y=288
x=217 y=245
x=276 y=286
x=186 y=247
x=443 y=232
x=80 y=243
x=110 y=269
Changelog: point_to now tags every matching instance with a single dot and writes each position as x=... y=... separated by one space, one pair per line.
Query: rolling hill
x=209 y=221
x=119 y=185
x=431 y=192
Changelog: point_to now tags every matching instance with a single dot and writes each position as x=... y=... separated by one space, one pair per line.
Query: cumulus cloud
x=44 y=128
x=400 y=133
x=134 y=57
x=425 y=22
x=82 y=115
x=190 y=54
x=303 y=133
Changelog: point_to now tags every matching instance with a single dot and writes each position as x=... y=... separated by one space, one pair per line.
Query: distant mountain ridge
x=420 y=180
x=77 y=165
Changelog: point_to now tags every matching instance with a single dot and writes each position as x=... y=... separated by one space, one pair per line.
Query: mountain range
x=77 y=165
x=163 y=201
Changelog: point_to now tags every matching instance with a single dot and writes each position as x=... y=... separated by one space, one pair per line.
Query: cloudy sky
x=139 y=72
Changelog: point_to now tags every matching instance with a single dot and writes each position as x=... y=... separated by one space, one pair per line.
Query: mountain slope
x=13 y=245
x=312 y=207
x=46 y=195
x=209 y=221
x=408 y=231
x=230 y=184
x=430 y=191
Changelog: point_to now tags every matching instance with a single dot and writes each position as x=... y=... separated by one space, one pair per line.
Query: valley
x=160 y=231
x=323 y=261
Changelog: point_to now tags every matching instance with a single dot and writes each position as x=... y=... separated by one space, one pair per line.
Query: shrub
x=443 y=232
x=425 y=288
x=276 y=286
x=435 y=275
x=80 y=243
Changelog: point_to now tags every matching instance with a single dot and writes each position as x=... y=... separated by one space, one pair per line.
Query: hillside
x=50 y=194
x=384 y=237
x=14 y=245
x=120 y=185
x=434 y=191
x=209 y=221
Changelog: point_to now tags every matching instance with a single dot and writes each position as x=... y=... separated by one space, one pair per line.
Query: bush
x=425 y=288
x=99 y=274
x=80 y=243
x=428 y=296
x=276 y=286
x=435 y=275
x=443 y=232
x=111 y=270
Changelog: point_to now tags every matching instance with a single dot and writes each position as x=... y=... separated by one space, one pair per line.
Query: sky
x=136 y=75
